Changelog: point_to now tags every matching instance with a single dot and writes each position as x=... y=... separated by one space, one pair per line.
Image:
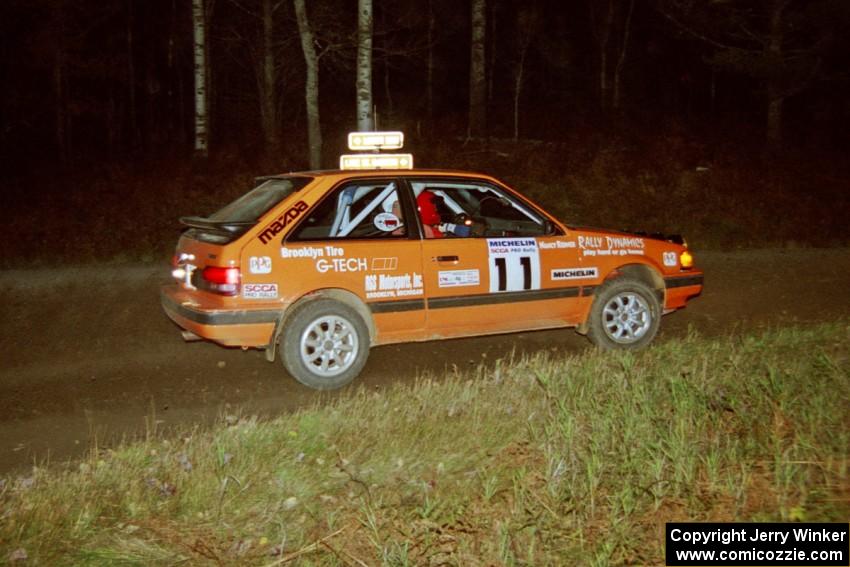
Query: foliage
x=522 y=461
x=669 y=184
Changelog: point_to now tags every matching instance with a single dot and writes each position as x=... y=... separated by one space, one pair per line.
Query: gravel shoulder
x=89 y=358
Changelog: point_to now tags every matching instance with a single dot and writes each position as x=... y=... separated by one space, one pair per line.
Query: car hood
x=674 y=238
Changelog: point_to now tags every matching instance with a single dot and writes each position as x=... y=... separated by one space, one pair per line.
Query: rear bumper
x=228 y=327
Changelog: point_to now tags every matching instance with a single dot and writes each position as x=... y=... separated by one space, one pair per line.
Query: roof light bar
x=376 y=161
x=361 y=141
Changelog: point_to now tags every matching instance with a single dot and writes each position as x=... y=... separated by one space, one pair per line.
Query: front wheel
x=625 y=314
x=325 y=344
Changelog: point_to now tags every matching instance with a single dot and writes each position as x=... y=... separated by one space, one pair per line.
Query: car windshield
x=256 y=202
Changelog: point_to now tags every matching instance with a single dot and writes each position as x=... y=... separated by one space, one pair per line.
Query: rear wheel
x=626 y=314
x=325 y=344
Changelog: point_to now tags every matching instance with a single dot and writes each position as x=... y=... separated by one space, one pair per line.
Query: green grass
x=542 y=460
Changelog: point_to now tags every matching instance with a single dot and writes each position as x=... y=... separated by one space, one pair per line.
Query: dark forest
x=588 y=96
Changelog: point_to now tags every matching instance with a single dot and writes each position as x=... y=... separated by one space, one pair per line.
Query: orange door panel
x=480 y=285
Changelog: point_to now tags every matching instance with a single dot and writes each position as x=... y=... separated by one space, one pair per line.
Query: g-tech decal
x=259 y=291
x=458 y=278
x=384 y=264
x=341 y=265
x=260 y=265
x=560 y=274
x=282 y=221
x=514 y=264
x=670 y=259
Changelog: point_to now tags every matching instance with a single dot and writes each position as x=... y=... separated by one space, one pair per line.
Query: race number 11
x=514 y=264
x=502 y=273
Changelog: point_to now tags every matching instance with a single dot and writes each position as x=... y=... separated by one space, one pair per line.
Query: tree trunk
x=131 y=79
x=59 y=94
x=268 y=92
x=775 y=96
x=477 y=70
x=388 y=94
x=311 y=90
x=199 y=26
x=518 y=87
x=603 y=56
x=365 y=119
x=618 y=70
x=432 y=24
x=494 y=39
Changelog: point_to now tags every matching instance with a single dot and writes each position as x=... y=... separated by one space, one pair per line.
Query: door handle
x=445 y=259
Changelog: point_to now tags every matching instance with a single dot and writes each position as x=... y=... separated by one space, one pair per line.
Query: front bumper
x=679 y=289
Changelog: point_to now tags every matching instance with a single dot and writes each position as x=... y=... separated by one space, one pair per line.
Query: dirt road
x=88 y=356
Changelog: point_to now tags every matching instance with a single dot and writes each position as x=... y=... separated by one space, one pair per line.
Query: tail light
x=221 y=280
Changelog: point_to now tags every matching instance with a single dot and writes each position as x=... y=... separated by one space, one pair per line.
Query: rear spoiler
x=223 y=228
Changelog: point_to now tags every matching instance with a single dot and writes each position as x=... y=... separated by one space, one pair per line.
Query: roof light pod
x=363 y=141
x=376 y=161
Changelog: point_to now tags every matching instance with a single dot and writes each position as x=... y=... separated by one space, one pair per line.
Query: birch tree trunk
x=199 y=25
x=59 y=94
x=603 y=56
x=268 y=92
x=429 y=102
x=131 y=78
x=365 y=119
x=477 y=70
x=311 y=90
x=520 y=69
x=618 y=70
x=775 y=95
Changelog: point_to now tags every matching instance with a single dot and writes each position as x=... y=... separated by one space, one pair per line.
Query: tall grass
x=542 y=460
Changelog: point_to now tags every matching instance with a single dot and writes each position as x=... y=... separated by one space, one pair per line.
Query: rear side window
x=362 y=209
x=257 y=202
x=233 y=220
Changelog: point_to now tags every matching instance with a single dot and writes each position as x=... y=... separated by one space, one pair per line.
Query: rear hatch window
x=232 y=221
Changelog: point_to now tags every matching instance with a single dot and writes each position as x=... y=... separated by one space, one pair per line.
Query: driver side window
x=472 y=209
x=362 y=209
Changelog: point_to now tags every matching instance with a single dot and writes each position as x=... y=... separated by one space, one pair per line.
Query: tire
x=325 y=344
x=625 y=314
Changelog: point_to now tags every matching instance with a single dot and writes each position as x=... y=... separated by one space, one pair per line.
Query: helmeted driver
x=429 y=215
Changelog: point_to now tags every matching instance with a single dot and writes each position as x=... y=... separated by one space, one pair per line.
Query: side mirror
x=548 y=227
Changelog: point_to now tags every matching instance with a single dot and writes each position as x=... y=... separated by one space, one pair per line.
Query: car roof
x=342 y=174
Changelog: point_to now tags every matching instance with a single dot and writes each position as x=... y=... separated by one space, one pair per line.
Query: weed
x=538 y=460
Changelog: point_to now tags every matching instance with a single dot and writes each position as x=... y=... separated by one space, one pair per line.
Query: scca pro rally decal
x=574 y=274
x=283 y=221
x=259 y=291
x=514 y=264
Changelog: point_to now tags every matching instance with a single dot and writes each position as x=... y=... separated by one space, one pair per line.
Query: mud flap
x=271 y=349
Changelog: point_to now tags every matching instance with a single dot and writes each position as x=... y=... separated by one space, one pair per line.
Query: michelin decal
x=562 y=274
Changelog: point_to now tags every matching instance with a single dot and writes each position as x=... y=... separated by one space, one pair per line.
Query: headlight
x=686 y=260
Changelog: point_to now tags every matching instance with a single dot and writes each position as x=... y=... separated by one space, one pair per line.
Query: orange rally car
x=321 y=266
